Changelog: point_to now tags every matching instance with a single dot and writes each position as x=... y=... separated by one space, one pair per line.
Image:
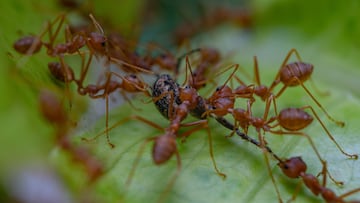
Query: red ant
x=175 y=102
x=291 y=119
x=52 y=110
x=291 y=75
x=164 y=103
x=295 y=167
x=130 y=83
x=208 y=58
x=96 y=42
x=166 y=92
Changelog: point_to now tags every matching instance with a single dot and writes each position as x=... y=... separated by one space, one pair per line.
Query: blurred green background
x=326 y=33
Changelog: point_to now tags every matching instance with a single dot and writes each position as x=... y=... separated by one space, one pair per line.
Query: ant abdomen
x=301 y=71
x=25 y=44
x=57 y=71
x=294 y=119
x=163 y=149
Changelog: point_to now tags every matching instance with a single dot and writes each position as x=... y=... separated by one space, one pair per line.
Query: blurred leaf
x=282 y=25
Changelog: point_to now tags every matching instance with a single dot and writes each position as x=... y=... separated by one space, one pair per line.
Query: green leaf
x=279 y=26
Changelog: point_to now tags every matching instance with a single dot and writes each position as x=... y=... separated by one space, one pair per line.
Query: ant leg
x=267 y=107
x=97 y=25
x=173 y=179
x=349 y=193
x=264 y=151
x=202 y=124
x=256 y=72
x=84 y=69
x=296 y=192
x=323 y=162
x=136 y=162
x=352 y=156
x=321 y=93
x=119 y=123
x=138 y=88
x=178 y=63
x=339 y=123
x=187 y=67
x=123 y=63
x=292 y=51
x=324 y=172
x=234 y=66
x=277 y=77
x=52 y=37
x=137 y=159
x=66 y=71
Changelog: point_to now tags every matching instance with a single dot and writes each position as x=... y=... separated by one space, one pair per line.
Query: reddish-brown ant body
x=52 y=110
x=95 y=41
x=209 y=57
x=295 y=167
x=291 y=75
x=28 y=45
x=291 y=119
x=165 y=99
x=130 y=83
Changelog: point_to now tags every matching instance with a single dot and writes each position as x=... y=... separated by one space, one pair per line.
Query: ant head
x=98 y=42
x=293 y=167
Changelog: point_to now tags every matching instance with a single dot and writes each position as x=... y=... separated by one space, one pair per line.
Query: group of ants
x=175 y=101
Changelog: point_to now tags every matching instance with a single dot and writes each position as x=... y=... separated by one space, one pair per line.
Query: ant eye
x=103 y=44
x=133 y=76
x=218 y=89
